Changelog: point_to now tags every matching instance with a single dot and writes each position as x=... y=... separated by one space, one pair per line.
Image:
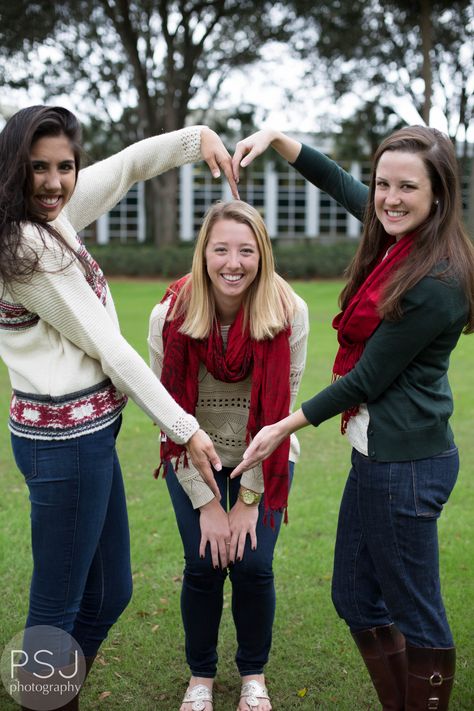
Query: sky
x=311 y=112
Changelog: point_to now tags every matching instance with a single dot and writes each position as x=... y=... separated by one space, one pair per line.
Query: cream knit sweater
x=69 y=366
x=223 y=408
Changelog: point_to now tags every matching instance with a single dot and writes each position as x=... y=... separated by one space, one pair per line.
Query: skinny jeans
x=386 y=565
x=81 y=578
x=202 y=594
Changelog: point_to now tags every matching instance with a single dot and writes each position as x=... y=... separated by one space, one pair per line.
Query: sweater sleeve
x=427 y=312
x=61 y=296
x=327 y=175
x=103 y=184
x=189 y=477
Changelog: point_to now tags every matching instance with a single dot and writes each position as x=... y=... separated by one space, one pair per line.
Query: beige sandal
x=198 y=695
x=252 y=691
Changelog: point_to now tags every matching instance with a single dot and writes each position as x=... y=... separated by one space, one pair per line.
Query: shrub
x=302 y=260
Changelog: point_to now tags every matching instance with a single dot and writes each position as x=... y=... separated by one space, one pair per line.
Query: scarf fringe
x=166 y=461
x=269 y=513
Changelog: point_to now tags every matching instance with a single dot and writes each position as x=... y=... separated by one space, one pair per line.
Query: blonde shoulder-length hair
x=269 y=302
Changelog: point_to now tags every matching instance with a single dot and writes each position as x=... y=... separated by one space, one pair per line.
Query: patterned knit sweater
x=223 y=408
x=70 y=368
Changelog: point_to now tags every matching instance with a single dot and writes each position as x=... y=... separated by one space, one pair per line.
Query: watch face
x=249 y=497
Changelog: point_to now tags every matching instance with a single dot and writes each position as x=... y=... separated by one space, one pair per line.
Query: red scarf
x=267 y=361
x=361 y=317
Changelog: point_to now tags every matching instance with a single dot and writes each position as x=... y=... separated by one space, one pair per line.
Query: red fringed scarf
x=360 y=318
x=267 y=361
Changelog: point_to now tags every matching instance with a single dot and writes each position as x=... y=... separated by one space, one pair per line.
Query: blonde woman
x=229 y=342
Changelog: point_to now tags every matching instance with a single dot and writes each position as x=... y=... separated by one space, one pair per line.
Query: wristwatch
x=249 y=497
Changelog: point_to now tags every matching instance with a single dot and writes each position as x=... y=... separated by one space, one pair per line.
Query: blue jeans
x=386 y=566
x=202 y=594
x=79 y=528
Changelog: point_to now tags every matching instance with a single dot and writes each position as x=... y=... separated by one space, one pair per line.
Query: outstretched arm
x=102 y=185
x=268 y=439
x=313 y=165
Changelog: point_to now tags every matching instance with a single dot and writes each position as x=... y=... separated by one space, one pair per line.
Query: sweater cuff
x=194 y=486
x=253 y=479
x=191 y=143
x=183 y=429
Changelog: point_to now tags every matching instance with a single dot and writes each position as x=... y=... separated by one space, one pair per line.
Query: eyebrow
x=42 y=161
x=402 y=180
x=225 y=244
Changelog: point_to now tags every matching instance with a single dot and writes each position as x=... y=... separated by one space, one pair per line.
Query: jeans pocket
x=433 y=480
x=24 y=452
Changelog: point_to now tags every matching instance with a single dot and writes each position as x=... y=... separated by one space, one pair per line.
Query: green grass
x=142 y=663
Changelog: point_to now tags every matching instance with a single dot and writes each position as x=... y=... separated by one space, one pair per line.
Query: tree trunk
x=163 y=196
x=426 y=43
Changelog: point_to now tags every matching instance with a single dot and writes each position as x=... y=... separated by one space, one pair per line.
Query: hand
x=268 y=439
x=216 y=156
x=242 y=521
x=215 y=530
x=263 y=444
x=249 y=148
x=202 y=453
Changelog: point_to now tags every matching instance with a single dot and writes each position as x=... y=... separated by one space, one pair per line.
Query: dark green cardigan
x=402 y=373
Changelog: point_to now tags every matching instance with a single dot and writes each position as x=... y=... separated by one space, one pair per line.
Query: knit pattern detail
x=222 y=408
x=14 y=317
x=191 y=143
x=95 y=277
x=183 y=428
x=68 y=416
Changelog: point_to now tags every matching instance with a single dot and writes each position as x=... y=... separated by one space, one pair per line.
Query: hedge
x=303 y=260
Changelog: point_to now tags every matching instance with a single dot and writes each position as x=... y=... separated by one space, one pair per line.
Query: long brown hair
x=16 y=185
x=441 y=239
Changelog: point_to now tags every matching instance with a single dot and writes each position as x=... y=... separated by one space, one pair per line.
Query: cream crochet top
x=222 y=409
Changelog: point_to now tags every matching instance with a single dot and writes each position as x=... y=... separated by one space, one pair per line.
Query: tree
x=138 y=66
x=396 y=52
x=385 y=51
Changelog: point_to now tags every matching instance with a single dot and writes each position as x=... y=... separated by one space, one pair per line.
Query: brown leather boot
x=430 y=678
x=383 y=651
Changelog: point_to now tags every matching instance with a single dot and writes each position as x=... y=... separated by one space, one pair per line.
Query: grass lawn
x=313 y=664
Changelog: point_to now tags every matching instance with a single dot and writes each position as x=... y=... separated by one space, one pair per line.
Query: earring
x=436 y=202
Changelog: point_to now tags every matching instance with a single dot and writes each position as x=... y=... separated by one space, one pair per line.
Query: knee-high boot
x=383 y=651
x=430 y=678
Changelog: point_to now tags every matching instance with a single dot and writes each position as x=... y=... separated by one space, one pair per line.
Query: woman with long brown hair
x=409 y=296
x=71 y=371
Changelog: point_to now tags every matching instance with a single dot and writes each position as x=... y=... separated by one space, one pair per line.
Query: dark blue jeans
x=386 y=566
x=253 y=589
x=80 y=539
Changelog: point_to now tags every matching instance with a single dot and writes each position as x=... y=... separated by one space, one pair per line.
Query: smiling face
x=232 y=262
x=403 y=194
x=54 y=175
